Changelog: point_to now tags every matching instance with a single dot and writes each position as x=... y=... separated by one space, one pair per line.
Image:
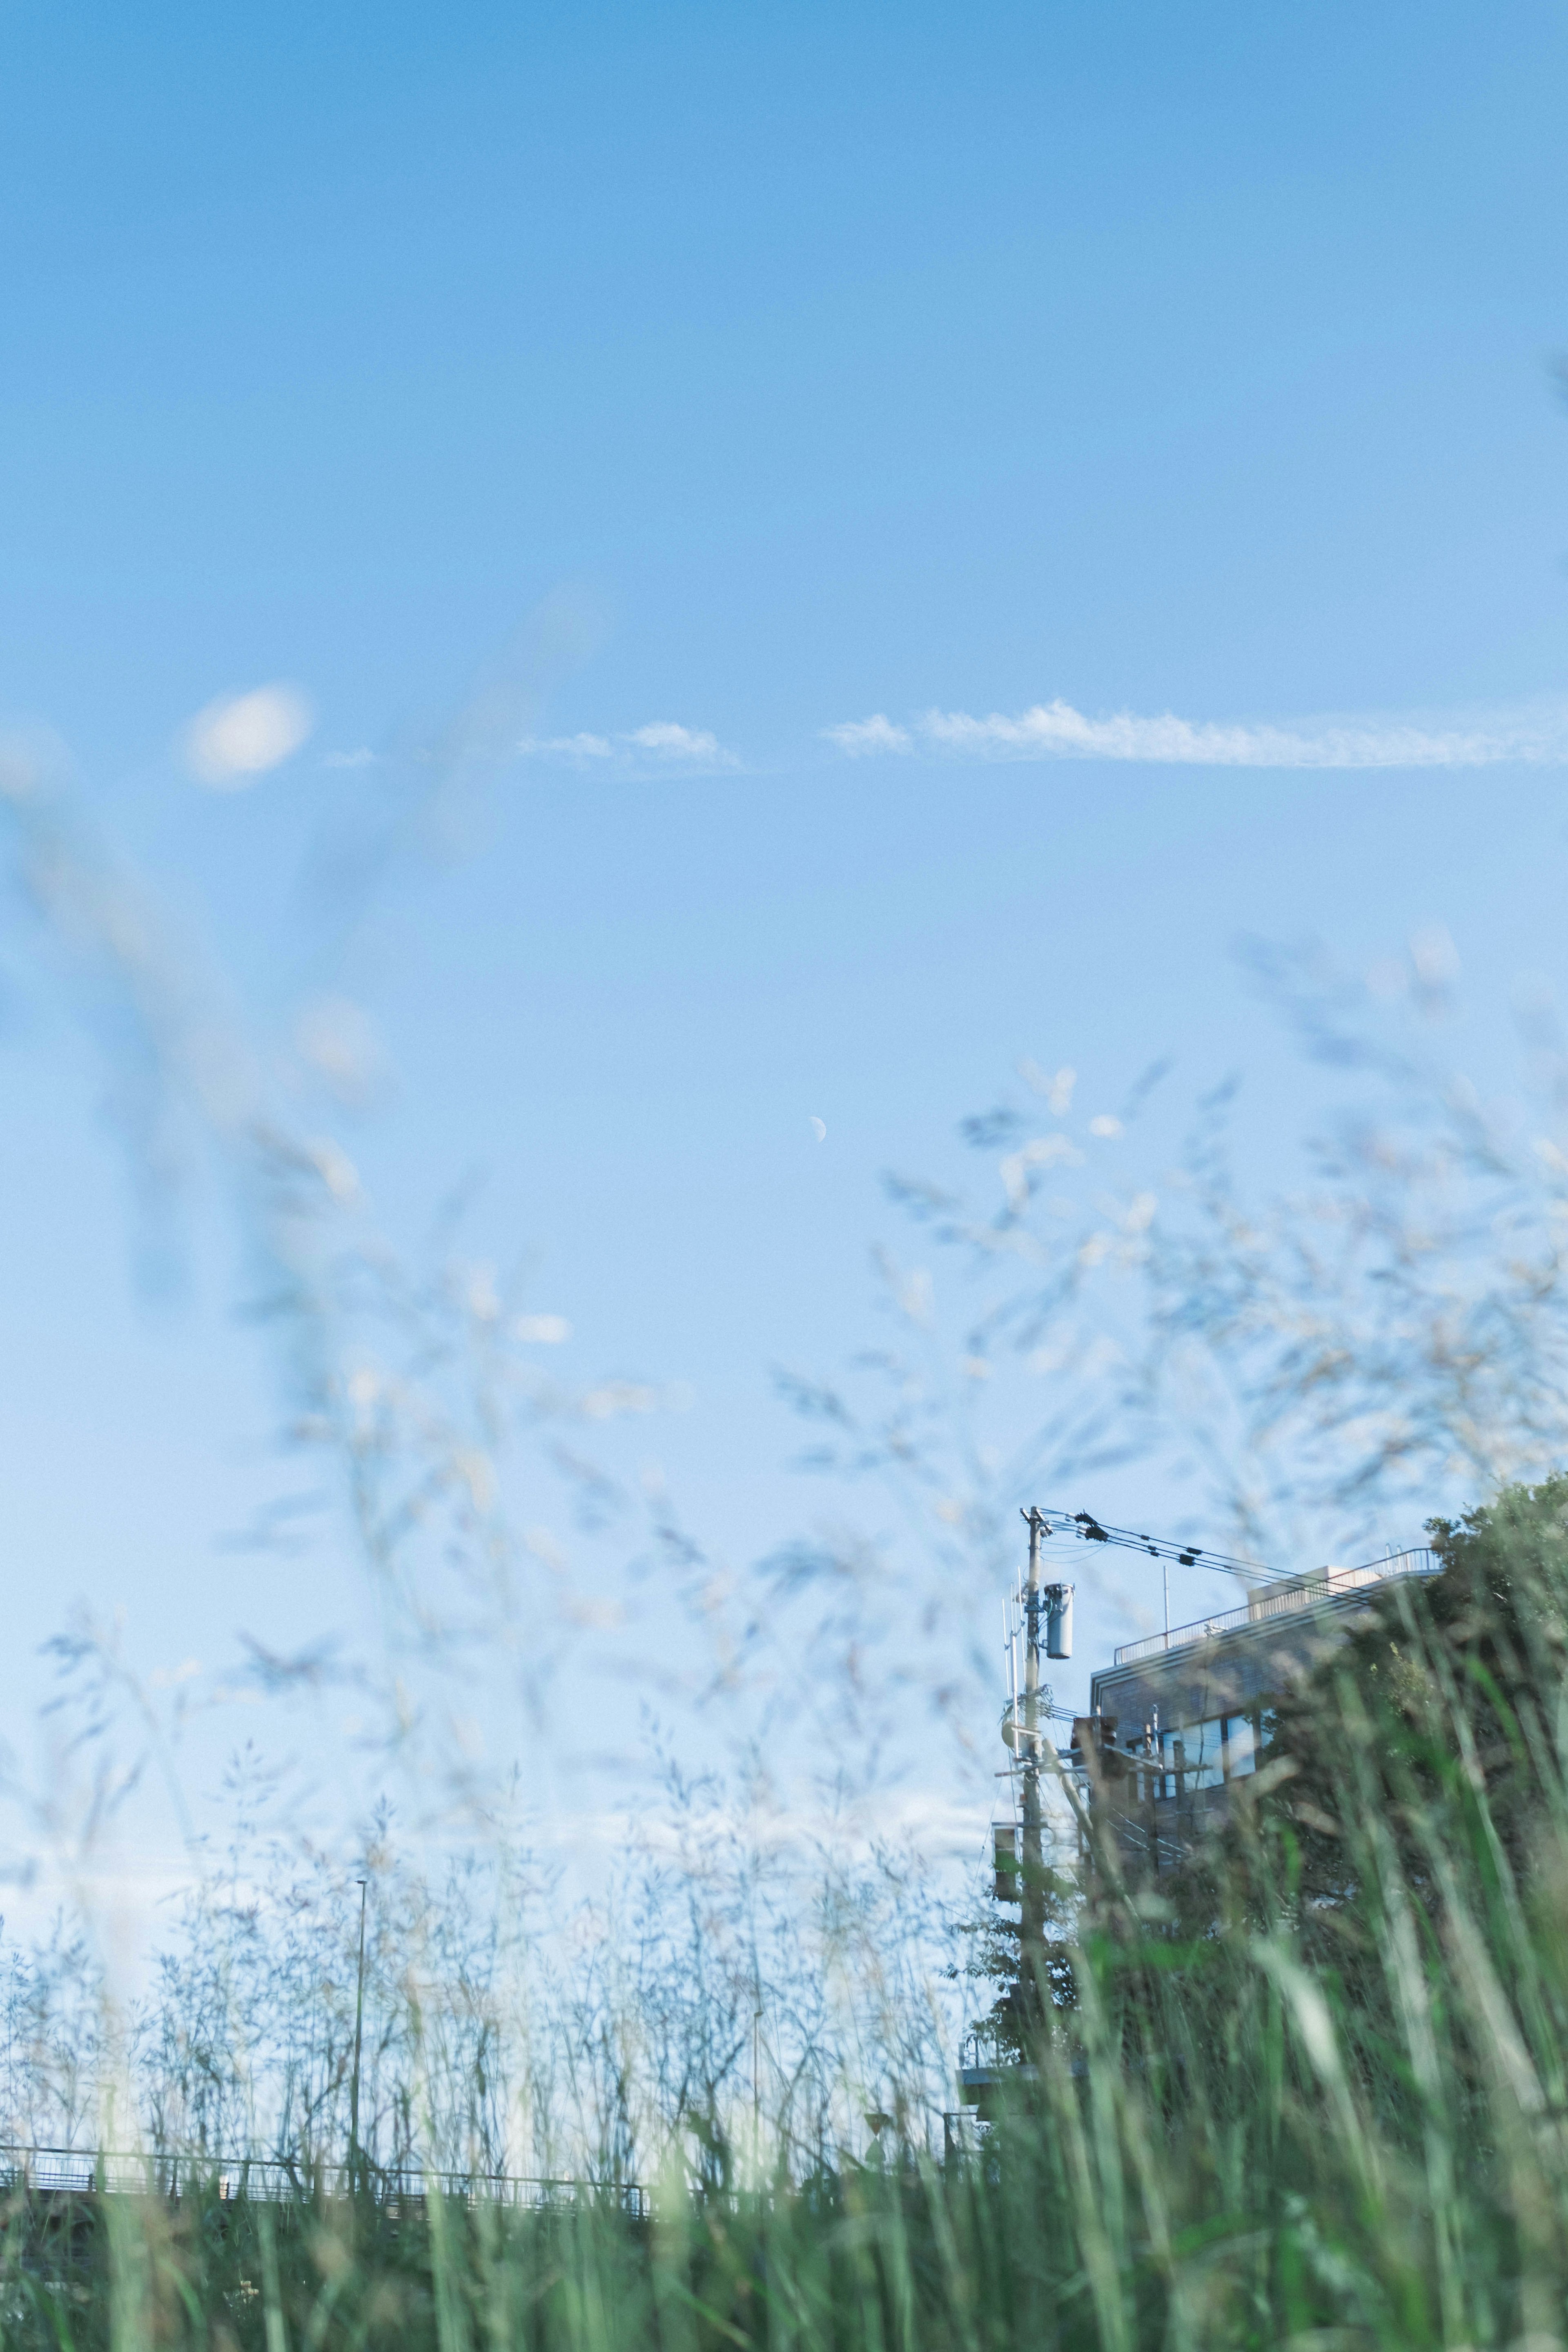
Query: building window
x=1191 y=1757
x=1211 y=1753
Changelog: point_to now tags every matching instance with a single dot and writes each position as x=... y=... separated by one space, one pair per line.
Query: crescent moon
x=819 y=1128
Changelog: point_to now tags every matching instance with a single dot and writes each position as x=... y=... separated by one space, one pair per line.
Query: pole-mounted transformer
x=1004 y=1856
x=1058 y=1620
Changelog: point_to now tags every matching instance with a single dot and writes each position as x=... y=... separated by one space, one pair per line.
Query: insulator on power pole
x=1004 y=1842
x=1059 y=1620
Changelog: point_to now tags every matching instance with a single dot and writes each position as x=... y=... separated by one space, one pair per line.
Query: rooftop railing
x=1281 y=1600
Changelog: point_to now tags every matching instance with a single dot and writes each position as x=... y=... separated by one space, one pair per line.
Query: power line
x=1086 y=1529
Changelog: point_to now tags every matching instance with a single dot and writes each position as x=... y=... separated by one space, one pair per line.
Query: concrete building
x=1174 y=1721
x=1178 y=1716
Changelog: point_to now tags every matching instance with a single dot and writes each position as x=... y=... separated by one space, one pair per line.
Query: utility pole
x=1032 y=1891
x=359 y=2037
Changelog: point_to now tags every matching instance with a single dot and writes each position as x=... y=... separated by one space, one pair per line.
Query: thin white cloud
x=241 y=736
x=663 y=741
x=567 y=747
x=1534 y=735
x=363 y=757
x=860 y=736
x=670 y=742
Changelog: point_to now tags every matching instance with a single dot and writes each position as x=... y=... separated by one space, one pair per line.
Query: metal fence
x=1282 y=1601
x=86 y=2172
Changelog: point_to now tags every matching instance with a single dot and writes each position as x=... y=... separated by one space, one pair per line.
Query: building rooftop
x=1279 y=1600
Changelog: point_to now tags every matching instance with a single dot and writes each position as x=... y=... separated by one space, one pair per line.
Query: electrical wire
x=1086 y=1529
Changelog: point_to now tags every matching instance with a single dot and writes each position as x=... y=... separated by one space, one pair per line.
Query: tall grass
x=1309 y=2088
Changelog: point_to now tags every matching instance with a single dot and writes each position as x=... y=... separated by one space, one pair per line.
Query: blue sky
x=820 y=365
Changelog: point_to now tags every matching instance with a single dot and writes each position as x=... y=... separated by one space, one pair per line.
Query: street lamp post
x=359 y=2038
